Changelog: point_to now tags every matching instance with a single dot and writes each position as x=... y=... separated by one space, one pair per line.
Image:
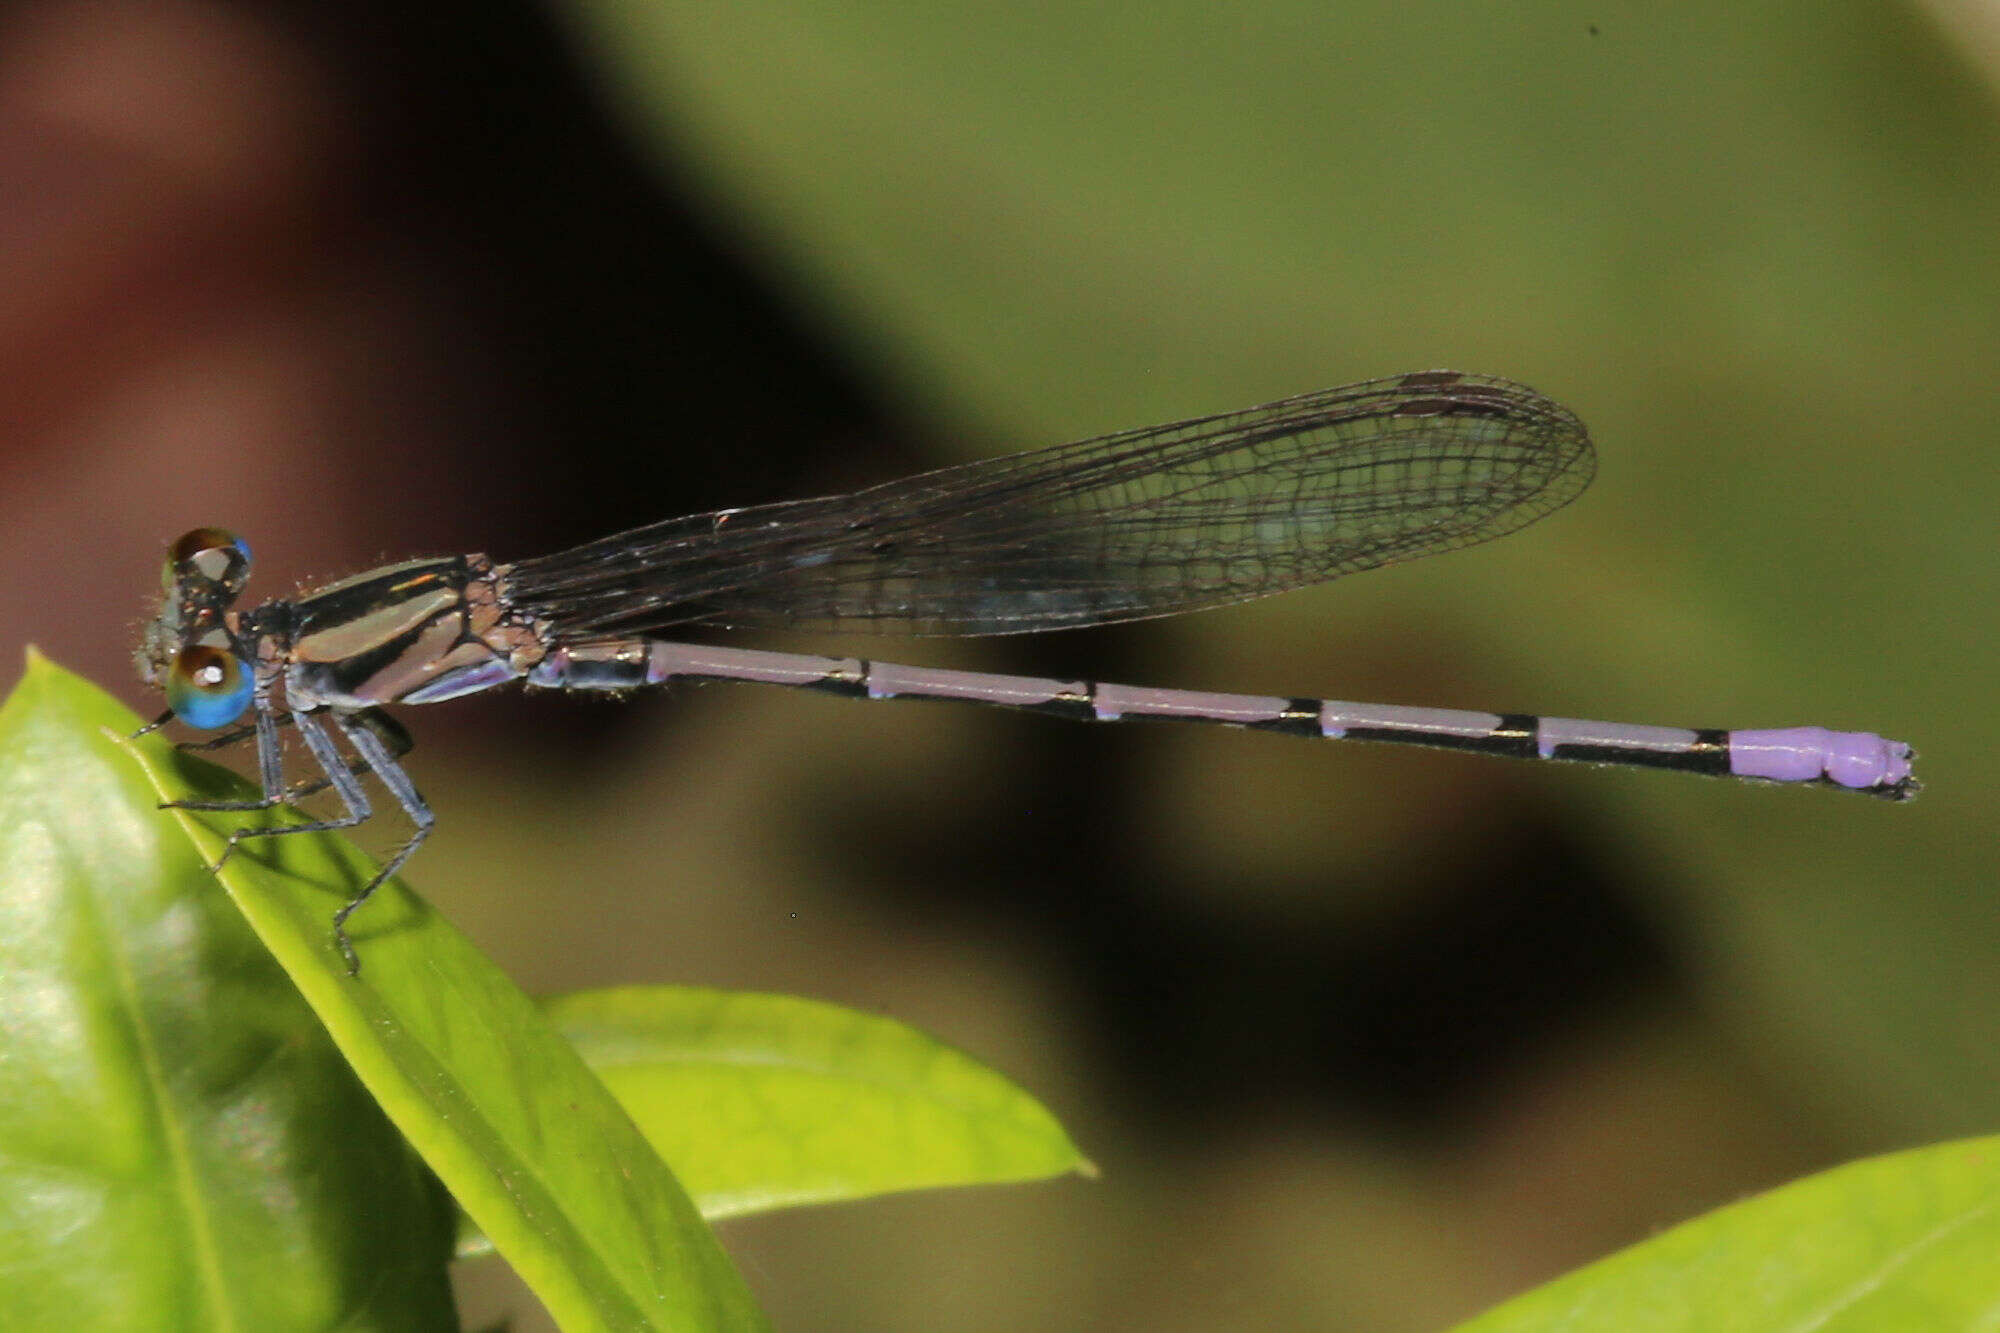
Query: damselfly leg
x=378 y=743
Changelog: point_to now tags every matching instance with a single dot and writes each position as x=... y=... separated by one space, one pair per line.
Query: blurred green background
x=1361 y=1038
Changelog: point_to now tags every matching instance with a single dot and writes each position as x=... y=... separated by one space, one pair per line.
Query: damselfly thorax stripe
x=1144 y=523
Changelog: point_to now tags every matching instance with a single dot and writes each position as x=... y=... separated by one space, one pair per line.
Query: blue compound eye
x=208 y=687
x=214 y=556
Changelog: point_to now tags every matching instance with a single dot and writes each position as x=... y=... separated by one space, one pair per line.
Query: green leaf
x=1900 y=1242
x=181 y=1147
x=496 y=1102
x=769 y=1101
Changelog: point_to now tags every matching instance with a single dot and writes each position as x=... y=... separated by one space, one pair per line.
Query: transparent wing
x=1142 y=523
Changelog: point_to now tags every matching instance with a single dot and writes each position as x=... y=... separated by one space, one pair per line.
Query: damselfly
x=1147 y=522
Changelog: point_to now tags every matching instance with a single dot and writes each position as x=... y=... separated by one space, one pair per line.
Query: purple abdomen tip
x=1856 y=759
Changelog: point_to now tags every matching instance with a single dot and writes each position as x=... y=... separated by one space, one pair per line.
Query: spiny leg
x=378 y=742
x=366 y=733
x=233 y=736
x=153 y=726
x=346 y=784
x=226 y=739
x=392 y=733
x=386 y=729
x=270 y=774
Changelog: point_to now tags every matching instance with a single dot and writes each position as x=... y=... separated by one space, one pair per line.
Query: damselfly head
x=204 y=572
